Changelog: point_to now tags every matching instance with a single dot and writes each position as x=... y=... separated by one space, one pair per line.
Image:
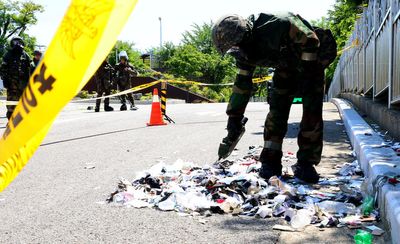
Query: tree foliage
x=340 y=20
x=197 y=59
x=133 y=55
x=15 y=18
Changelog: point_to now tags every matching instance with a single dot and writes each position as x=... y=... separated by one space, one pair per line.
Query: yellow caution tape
x=355 y=43
x=86 y=35
x=255 y=80
x=133 y=89
x=144 y=86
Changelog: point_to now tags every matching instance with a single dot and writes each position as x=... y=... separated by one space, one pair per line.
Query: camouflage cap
x=228 y=31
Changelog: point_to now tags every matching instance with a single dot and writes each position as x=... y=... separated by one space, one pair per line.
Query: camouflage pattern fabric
x=327 y=50
x=287 y=84
x=33 y=65
x=15 y=71
x=103 y=78
x=278 y=42
x=124 y=74
x=227 y=32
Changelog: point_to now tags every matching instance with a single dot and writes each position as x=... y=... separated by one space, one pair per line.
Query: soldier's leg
x=107 y=91
x=276 y=123
x=130 y=99
x=122 y=86
x=310 y=138
x=99 y=90
x=12 y=95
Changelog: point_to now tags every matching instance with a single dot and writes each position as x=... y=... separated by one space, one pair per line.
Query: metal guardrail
x=372 y=66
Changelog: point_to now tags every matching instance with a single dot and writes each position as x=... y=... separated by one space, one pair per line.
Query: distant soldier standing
x=37 y=55
x=103 y=78
x=124 y=73
x=299 y=53
x=15 y=71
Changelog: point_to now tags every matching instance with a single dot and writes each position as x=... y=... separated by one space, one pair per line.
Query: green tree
x=200 y=37
x=341 y=20
x=133 y=55
x=196 y=58
x=15 y=18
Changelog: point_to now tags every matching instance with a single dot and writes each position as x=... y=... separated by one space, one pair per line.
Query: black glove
x=234 y=127
x=235 y=131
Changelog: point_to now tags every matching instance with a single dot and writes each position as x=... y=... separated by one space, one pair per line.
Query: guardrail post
x=391 y=2
x=374 y=56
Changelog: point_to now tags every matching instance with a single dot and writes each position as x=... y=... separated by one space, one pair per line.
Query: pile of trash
x=234 y=187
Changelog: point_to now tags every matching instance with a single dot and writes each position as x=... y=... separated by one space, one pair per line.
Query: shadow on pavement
x=329 y=126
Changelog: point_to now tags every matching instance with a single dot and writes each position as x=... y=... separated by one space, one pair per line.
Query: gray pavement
x=56 y=200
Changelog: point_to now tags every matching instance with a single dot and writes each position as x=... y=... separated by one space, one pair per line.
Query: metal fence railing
x=372 y=65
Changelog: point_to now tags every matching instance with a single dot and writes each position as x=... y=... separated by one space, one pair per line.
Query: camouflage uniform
x=125 y=72
x=35 y=61
x=288 y=44
x=15 y=71
x=103 y=78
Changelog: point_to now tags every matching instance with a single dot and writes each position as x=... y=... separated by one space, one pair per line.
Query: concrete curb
x=376 y=160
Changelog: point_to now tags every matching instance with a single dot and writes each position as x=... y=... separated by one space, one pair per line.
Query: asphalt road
x=56 y=200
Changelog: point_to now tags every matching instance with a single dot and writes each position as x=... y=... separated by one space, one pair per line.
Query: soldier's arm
x=241 y=91
x=3 y=71
x=305 y=37
x=133 y=71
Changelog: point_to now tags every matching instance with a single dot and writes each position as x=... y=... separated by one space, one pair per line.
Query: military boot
x=107 y=106
x=133 y=107
x=97 y=108
x=305 y=172
x=271 y=164
x=123 y=107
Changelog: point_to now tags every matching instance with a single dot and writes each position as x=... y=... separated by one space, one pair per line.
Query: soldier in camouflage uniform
x=125 y=72
x=103 y=77
x=289 y=44
x=15 y=71
x=37 y=55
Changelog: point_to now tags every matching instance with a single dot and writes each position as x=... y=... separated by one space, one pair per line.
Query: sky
x=177 y=16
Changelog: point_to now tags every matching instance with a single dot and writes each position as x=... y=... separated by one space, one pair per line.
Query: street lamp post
x=159 y=18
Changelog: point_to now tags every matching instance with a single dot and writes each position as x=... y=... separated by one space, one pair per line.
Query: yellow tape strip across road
x=86 y=35
x=144 y=86
x=133 y=89
x=255 y=80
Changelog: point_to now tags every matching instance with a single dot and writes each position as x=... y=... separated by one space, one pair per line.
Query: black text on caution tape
x=29 y=99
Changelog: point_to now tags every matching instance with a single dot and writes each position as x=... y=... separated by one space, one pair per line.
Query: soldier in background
x=124 y=73
x=15 y=71
x=103 y=78
x=289 y=44
x=37 y=55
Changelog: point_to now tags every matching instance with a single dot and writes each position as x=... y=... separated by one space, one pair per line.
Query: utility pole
x=159 y=18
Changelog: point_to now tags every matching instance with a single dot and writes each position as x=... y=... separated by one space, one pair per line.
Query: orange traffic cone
x=156 y=116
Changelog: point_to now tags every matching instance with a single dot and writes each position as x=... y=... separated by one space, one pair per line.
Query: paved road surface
x=55 y=199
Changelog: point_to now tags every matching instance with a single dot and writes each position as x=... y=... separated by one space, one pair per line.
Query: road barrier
x=156 y=117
